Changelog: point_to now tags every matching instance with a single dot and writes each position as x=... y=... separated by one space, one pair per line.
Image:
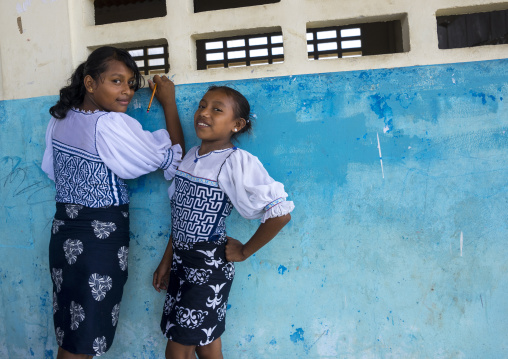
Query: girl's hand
x=234 y=250
x=165 y=92
x=161 y=276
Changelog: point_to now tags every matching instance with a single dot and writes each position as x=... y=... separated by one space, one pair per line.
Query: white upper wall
x=42 y=41
x=35 y=52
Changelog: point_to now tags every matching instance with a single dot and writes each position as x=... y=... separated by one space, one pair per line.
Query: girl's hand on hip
x=165 y=92
x=234 y=250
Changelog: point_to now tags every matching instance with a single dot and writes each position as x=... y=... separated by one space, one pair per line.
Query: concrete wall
x=397 y=244
x=57 y=35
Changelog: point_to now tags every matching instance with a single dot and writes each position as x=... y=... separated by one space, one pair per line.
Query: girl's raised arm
x=165 y=94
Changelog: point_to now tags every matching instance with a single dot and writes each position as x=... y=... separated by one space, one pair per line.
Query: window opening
x=207 y=5
x=470 y=30
x=151 y=59
x=238 y=51
x=354 y=40
x=112 y=11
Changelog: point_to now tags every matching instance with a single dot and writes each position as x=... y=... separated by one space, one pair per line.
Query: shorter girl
x=91 y=147
x=211 y=179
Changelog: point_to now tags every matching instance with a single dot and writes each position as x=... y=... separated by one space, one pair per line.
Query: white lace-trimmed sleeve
x=130 y=152
x=254 y=194
x=47 y=160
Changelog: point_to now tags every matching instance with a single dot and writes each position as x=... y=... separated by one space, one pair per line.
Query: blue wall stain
x=379 y=104
x=297 y=336
x=379 y=244
x=282 y=269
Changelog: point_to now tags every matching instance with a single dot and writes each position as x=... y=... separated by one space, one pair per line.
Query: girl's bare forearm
x=264 y=234
x=173 y=124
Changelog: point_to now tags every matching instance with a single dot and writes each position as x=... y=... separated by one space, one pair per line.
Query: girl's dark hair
x=242 y=108
x=74 y=94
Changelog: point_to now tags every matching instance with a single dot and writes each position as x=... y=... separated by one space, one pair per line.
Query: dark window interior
x=208 y=5
x=469 y=30
x=112 y=11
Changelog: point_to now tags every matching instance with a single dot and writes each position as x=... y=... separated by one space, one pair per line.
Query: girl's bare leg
x=175 y=350
x=210 y=351
x=64 y=354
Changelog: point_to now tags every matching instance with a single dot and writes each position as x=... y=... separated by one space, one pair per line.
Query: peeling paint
x=282 y=269
x=297 y=336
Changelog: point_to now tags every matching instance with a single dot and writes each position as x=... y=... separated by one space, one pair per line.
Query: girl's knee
x=64 y=354
x=210 y=351
x=175 y=350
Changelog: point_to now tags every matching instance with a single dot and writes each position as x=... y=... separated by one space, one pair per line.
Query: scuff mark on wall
x=380 y=155
x=20 y=25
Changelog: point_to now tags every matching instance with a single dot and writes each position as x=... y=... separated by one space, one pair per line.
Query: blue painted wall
x=402 y=256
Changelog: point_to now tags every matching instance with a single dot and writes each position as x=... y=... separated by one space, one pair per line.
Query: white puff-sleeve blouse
x=254 y=194
x=130 y=151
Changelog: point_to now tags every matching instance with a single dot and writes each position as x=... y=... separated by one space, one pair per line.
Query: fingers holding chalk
x=163 y=89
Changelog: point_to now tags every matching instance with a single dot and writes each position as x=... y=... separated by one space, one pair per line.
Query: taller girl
x=91 y=147
x=211 y=179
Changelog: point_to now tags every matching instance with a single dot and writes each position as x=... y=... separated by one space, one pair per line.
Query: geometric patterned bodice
x=82 y=178
x=199 y=207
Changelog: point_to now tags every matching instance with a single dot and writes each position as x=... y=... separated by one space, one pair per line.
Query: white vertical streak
x=461 y=242
x=380 y=156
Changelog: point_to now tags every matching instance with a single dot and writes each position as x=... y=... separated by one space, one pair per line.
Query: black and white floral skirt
x=88 y=262
x=196 y=301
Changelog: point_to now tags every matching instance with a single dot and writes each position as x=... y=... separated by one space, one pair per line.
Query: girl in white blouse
x=91 y=147
x=212 y=179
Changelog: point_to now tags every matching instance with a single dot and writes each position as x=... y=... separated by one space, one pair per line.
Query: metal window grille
x=239 y=51
x=151 y=59
x=334 y=42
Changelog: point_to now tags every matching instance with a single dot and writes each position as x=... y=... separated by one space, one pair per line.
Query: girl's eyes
x=118 y=81
x=215 y=108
